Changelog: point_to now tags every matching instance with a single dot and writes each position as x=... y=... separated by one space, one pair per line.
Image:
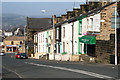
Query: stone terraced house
x=82 y=35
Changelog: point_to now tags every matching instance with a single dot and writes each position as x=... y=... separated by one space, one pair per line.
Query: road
x=32 y=68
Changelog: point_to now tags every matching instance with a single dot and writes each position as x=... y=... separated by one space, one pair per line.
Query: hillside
x=12 y=20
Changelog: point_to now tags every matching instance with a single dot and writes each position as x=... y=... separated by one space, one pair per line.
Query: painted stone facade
x=66 y=38
x=90 y=24
x=35 y=43
x=43 y=44
x=50 y=43
x=75 y=37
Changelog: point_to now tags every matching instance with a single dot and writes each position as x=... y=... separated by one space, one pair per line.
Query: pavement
x=41 y=69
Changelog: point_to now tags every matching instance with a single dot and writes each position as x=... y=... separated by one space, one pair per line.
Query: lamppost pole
x=53 y=37
x=115 y=36
x=24 y=38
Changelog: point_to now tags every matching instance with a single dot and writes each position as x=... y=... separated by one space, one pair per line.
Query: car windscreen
x=23 y=53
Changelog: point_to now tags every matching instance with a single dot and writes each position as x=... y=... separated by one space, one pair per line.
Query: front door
x=14 y=49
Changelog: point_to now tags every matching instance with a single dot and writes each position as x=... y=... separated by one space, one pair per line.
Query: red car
x=17 y=56
x=21 y=56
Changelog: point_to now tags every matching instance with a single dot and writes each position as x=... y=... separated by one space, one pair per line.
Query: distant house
x=8 y=33
x=16 y=32
x=0 y=32
x=35 y=25
x=1 y=35
x=14 y=44
x=1 y=47
x=19 y=32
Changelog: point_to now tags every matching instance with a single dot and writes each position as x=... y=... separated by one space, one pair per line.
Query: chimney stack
x=64 y=17
x=76 y=11
x=59 y=19
x=105 y=2
x=55 y=21
x=69 y=14
x=84 y=8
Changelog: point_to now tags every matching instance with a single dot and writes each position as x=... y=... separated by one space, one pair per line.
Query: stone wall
x=74 y=58
x=105 y=48
x=106 y=29
x=105 y=41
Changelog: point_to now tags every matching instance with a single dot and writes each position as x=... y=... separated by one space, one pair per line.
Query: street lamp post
x=115 y=34
x=24 y=38
x=53 y=37
x=53 y=33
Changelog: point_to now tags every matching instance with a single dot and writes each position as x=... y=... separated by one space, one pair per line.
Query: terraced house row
x=84 y=34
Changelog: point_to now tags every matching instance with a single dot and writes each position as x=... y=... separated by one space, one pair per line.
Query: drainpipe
x=57 y=38
x=72 y=36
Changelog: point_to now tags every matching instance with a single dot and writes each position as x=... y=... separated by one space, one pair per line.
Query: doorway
x=90 y=50
x=14 y=49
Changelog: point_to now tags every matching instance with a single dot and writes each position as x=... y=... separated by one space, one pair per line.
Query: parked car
x=2 y=53
x=17 y=56
x=21 y=56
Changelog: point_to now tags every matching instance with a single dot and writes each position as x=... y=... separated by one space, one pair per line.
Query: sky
x=47 y=0
x=34 y=8
x=42 y=0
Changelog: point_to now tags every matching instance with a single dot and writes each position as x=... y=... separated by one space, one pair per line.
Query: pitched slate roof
x=29 y=44
x=90 y=12
x=38 y=23
x=14 y=38
x=85 y=14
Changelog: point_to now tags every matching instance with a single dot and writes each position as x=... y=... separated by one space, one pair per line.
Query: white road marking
x=13 y=72
x=74 y=70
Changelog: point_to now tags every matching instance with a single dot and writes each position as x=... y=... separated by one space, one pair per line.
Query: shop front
x=88 y=43
x=11 y=48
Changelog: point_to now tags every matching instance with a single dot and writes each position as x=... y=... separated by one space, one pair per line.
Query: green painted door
x=80 y=27
x=79 y=47
x=48 y=49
